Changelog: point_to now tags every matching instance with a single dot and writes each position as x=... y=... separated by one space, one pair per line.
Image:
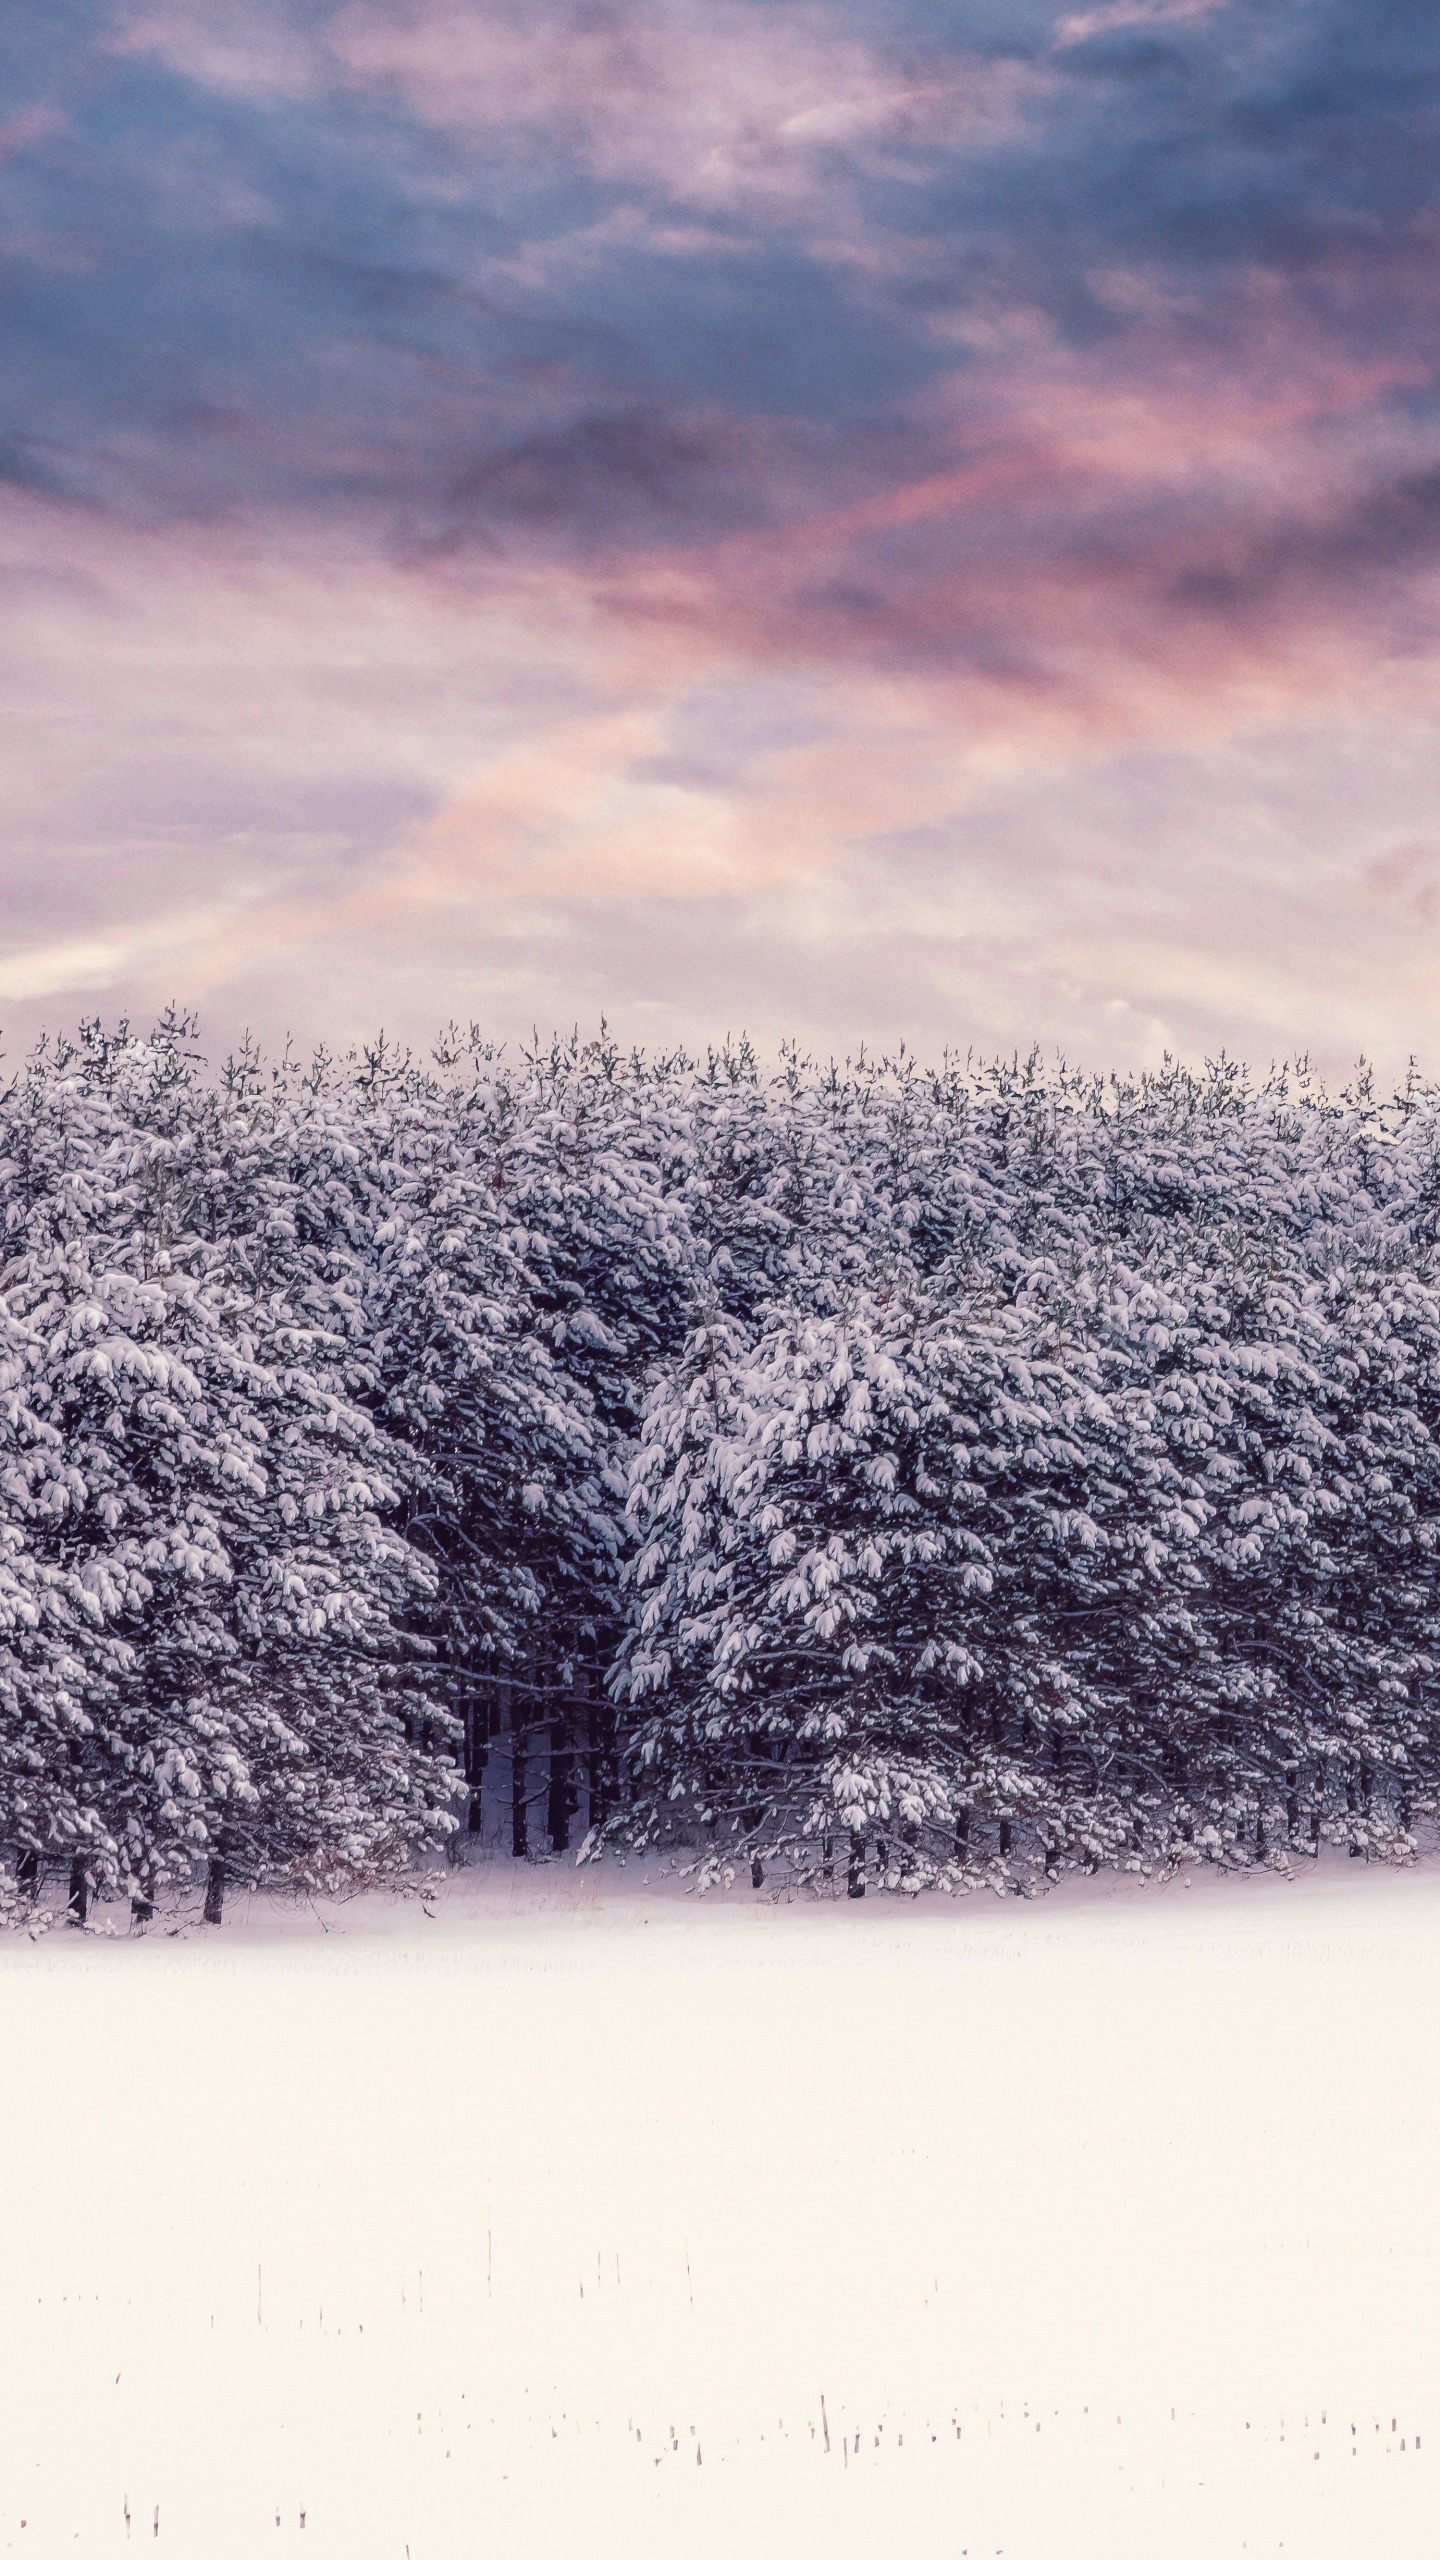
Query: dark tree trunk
x=855 y=1873
x=600 y=1773
x=215 y=1890
x=519 y=1773
x=477 y=1753
x=27 y=1872
x=1007 y=1833
x=962 y=1833
x=557 y=1805
x=752 y=1821
x=1292 y=1801
x=79 y=1896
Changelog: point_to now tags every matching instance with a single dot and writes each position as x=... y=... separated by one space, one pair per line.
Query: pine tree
x=204 y=1482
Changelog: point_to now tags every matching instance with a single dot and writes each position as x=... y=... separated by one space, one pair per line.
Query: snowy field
x=583 y=2216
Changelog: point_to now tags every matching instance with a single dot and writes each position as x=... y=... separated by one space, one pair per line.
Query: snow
x=580 y=2212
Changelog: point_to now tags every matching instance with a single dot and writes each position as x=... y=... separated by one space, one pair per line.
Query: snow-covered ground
x=581 y=2215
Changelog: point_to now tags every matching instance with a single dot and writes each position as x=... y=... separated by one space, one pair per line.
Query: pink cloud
x=678 y=823
x=246 y=51
x=29 y=124
x=1117 y=14
x=717 y=105
x=1117 y=557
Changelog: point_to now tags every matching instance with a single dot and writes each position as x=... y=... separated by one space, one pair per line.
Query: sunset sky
x=867 y=520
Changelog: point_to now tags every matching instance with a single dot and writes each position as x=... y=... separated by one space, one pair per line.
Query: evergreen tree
x=201 y=1479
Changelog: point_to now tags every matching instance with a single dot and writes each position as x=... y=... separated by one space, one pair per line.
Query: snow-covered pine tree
x=864 y=1542
x=1128 y=1562
x=203 y=1478
x=1052 y=1478
x=53 y=1645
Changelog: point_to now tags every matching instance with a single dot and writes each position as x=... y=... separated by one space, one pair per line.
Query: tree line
x=864 y=1474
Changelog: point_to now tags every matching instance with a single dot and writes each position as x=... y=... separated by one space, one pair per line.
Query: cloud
x=722 y=106
x=29 y=125
x=1086 y=23
x=421 y=809
x=262 y=54
x=649 y=488
x=600 y=471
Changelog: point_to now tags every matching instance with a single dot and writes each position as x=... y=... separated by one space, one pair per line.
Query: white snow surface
x=579 y=2213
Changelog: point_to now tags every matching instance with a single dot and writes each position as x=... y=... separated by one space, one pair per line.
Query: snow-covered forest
x=863 y=1476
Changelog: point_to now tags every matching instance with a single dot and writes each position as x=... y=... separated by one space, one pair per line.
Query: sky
x=865 y=522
